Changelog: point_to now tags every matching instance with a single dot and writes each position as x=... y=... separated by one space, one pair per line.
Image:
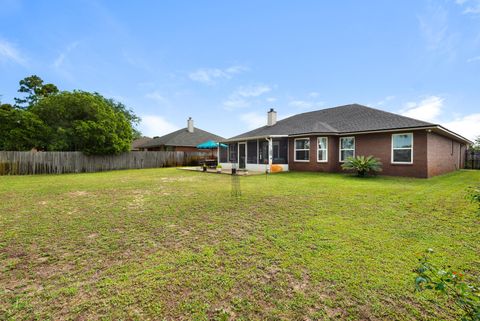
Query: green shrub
x=474 y=196
x=362 y=165
x=450 y=283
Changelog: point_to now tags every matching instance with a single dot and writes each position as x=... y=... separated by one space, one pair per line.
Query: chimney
x=272 y=117
x=190 y=125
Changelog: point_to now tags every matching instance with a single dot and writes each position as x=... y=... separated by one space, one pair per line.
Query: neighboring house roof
x=139 y=142
x=339 y=120
x=183 y=137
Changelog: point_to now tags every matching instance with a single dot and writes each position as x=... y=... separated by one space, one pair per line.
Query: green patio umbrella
x=211 y=144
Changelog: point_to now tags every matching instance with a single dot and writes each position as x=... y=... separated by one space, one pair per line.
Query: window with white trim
x=302 y=149
x=347 y=148
x=402 y=148
x=322 y=149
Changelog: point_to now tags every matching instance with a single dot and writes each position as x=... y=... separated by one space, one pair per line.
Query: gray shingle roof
x=336 y=120
x=139 y=142
x=183 y=137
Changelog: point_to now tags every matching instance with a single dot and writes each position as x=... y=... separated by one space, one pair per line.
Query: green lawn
x=166 y=243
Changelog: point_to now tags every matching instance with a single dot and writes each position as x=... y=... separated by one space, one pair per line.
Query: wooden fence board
x=26 y=163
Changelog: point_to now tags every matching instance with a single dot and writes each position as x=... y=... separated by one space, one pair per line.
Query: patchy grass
x=164 y=243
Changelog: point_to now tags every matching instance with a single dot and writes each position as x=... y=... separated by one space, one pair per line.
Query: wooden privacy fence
x=472 y=159
x=25 y=163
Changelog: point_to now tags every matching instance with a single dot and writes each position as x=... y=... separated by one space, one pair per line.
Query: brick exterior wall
x=444 y=154
x=431 y=154
x=313 y=165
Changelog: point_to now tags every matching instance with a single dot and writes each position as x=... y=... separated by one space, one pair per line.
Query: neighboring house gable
x=139 y=142
x=185 y=139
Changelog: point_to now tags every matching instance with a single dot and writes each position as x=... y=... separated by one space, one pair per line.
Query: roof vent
x=271 y=117
x=190 y=125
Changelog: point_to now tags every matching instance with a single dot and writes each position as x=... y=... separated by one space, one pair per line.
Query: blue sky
x=225 y=63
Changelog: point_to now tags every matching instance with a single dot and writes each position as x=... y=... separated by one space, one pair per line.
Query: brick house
x=185 y=139
x=321 y=141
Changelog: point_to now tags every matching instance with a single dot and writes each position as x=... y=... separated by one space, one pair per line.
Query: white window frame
x=340 y=148
x=326 y=149
x=411 y=150
x=295 y=150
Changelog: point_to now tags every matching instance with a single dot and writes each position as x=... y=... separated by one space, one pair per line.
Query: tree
x=35 y=89
x=128 y=113
x=136 y=134
x=5 y=106
x=476 y=144
x=20 y=129
x=82 y=121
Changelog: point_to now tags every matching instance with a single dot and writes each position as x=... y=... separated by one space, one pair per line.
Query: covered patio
x=224 y=171
x=258 y=154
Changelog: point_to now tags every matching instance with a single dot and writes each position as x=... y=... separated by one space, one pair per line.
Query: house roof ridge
x=346 y=118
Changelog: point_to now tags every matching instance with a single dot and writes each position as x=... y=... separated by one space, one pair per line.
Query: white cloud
x=431 y=109
x=240 y=98
x=8 y=52
x=306 y=104
x=60 y=60
x=467 y=126
x=302 y=104
x=237 y=69
x=209 y=76
x=235 y=103
x=252 y=91
x=254 y=120
x=384 y=100
x=271 y=99
x=473 y=59
x=157 y=97
x=61 y=63
x=152 y=125
x=434 y=28
x=471 y=6
x=427 y=109
x=314 y=94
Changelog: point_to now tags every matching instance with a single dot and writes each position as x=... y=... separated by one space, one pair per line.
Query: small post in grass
x=236 y=190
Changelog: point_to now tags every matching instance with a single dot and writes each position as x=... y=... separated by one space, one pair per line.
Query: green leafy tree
x=136 y=134
x=20 y=129
x=6 y=107
x=34 y=89
x=82 y=121
x=362 y=165
x=476 y=145
x=133 y=119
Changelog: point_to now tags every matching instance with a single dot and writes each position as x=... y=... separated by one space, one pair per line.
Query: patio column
x=270 y=153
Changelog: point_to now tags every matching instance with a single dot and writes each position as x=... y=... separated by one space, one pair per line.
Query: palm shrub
x=362 y=165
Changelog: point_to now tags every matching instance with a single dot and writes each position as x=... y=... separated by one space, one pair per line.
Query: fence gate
x=472 y=159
